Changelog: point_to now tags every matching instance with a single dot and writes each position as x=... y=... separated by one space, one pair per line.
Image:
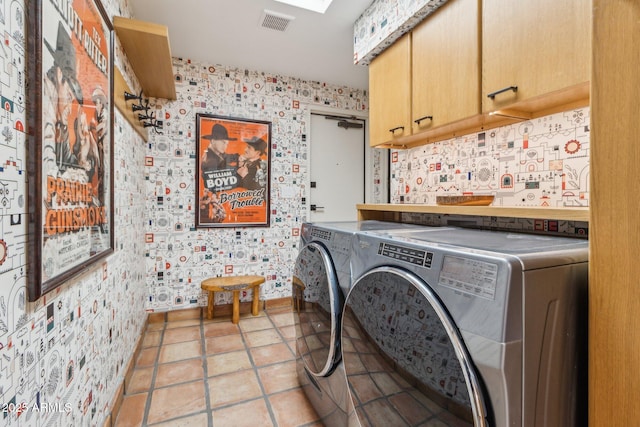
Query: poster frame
x=254 y=133
x=70 y=141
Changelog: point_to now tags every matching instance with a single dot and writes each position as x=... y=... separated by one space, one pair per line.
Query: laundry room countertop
x=391 y=212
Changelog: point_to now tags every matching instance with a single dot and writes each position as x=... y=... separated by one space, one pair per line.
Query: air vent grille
x=275 y=21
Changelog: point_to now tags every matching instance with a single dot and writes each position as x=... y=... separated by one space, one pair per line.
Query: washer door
x=405 y=360
x=317 y=301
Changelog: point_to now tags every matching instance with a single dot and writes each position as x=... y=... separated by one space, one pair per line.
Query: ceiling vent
x=275 y=21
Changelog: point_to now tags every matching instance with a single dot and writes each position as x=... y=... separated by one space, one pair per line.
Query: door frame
x=367 y=151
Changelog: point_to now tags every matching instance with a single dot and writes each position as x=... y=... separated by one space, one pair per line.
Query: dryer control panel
x=410 y=255
x=336 y=241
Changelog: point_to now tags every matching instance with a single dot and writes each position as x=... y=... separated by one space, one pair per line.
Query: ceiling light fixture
x=319 y=6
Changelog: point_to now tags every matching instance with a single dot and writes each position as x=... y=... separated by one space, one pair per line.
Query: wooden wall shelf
x=147 y=47
x=391 y=212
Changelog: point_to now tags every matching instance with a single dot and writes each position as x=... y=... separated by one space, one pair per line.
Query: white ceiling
x=316 y=47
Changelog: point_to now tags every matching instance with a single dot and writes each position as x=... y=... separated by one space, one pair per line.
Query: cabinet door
x=390 y=93
x=445 y=63
x=540 y=46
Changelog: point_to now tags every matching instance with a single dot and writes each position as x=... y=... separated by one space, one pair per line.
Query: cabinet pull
x=492 y=95
x=395 y=129
x=417 y=121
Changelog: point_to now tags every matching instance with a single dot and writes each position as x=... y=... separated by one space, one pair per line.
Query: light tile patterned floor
x=198 y=372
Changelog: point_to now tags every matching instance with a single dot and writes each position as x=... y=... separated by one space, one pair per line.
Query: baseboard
x=278 y=302
x=245 y=307
x=218 y=310
x=225 y=310
x=175 y=315
x=118 y=398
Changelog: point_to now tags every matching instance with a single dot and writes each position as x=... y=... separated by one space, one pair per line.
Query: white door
x=337 y=168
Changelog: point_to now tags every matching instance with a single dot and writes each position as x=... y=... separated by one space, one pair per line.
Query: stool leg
x=236 y=307
x=256 y=300
x=210 y=306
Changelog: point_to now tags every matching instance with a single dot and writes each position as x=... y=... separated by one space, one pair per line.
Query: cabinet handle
x=395 y=129
x=492 y=95
x=417 y=121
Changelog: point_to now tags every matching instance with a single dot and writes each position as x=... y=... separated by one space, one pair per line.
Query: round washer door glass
x=405 y=361
x=317 y=301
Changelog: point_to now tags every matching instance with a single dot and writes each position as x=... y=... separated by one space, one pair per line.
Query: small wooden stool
x=233 y=284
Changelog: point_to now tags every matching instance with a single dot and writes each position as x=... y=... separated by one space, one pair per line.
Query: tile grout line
x=284 y=339
x=286 y=343
x=147 y=406
x=205 y=371
x=207 y=393
x=294 y=351
x=265 y=397
x=156 y=367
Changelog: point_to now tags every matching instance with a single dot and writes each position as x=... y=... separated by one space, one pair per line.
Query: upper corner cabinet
x=390 y=93
x=446 y=65
x=428 y=78
x=532 y=48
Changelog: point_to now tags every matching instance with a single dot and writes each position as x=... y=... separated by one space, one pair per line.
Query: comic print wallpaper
x=179 y=254
x=62 y=356
x=69 y=348
x=542 y=162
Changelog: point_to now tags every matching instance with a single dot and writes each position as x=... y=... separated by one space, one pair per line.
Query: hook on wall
x=139 y=107
x=148 y=120
x=132 y=96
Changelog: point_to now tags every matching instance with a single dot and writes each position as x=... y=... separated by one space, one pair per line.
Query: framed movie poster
x=71 y=143
x=233 y=167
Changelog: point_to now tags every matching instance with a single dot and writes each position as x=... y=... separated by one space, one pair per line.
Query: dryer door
x=317 y=301
x=405 y=360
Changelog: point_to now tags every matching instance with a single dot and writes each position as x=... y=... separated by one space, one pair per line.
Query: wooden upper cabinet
x=432 y=84
x=540 y=46
x=390 y=93
x=446 y=65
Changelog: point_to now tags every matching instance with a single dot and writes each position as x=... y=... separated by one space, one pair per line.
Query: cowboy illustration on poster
x=75 y=45
x=233 y=171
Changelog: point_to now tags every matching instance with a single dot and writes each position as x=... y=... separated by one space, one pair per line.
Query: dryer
x=466 y=327
x=322 y=276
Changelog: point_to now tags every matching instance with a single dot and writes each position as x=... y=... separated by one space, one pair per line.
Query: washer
x=322 y=276
x=466 y=327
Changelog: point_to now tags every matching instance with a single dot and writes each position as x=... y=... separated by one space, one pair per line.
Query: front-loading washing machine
x=466 y=328
x=321 y=278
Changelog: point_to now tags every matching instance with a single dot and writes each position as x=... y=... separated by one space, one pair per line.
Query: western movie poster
x=74 y=44
x=233 y=171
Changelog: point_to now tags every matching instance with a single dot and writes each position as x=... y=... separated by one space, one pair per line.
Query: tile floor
x=199 y=372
